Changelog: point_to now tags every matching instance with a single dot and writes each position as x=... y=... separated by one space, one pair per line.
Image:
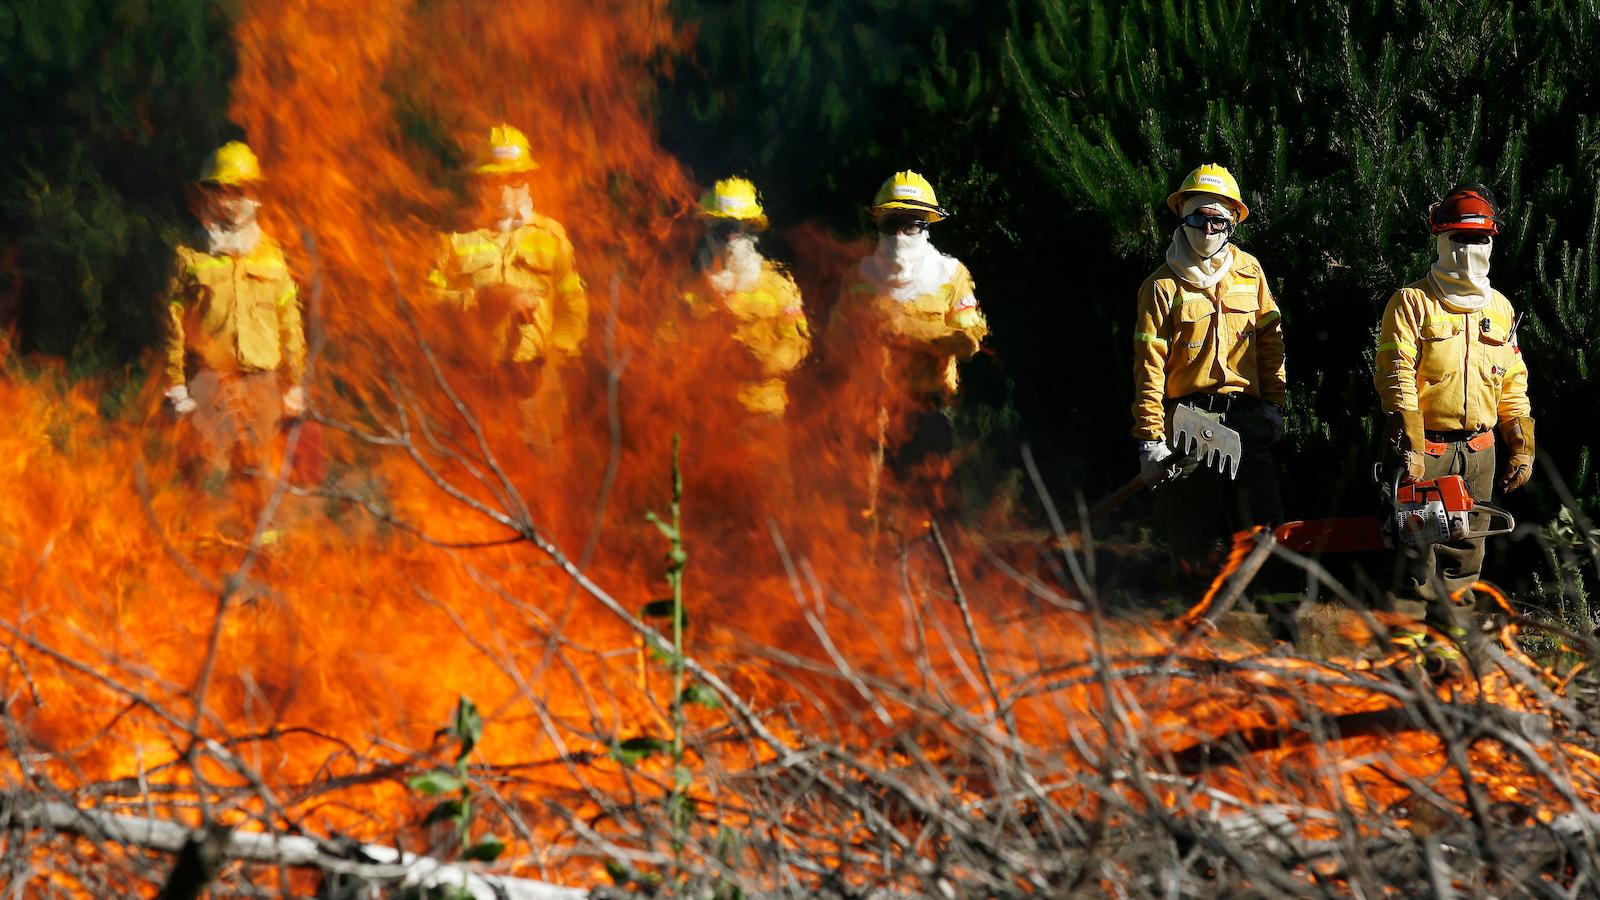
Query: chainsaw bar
x=1215 y=444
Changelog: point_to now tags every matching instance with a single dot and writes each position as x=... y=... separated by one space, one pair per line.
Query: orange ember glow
x=282 y=653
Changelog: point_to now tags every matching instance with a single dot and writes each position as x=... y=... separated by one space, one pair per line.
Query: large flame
x=299 y=643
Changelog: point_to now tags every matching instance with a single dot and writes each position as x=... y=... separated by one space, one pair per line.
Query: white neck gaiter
x=1460 y=275
x=734 y=267
x=1196 y=257
x=233 y=240
x=903 y=254
x=907 y=266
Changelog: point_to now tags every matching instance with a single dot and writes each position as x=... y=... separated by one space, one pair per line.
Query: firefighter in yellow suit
x=1449 y=371
x=1208 y=335
x=757 y=297
x=518 y=276
x=744 y=314
x=909 y=313
x=235 y=345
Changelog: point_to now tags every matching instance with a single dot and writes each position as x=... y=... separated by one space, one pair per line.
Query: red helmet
x=1468 y=207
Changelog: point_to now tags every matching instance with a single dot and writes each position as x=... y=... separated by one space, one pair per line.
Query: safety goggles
x=1208 y=224
x=723 y=229
x=1470 y=237
x=900 y=225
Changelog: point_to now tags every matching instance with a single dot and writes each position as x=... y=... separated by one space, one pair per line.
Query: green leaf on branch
x=486 y=850
x=466 y=726
x=436 y=783
x=620 y=874
x=701 y=695
x=662 y=525
x=634 y=749
x=660 y=609
x=446 y=811
x=682 y=777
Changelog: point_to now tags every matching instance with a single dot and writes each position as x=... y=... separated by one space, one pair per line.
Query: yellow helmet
x=231 y=164
x=910 y=191
x=735 y=198
x=506 y=152
x=1208 y=179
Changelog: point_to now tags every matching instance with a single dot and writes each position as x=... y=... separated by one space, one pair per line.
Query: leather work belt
x=1219 y=402
x=1439 y=441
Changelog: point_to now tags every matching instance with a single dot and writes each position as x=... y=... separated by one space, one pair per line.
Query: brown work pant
x=235 y=413
x=1457 y=563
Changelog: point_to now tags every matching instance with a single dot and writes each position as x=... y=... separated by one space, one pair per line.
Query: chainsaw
x=1418 y=514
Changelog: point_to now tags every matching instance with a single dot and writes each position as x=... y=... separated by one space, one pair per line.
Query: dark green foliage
x=110 y=108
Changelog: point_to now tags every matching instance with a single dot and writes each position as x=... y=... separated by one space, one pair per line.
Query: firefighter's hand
x=1152 y=461
x=180 y=401
x=1518 y=471
x=1411 y=463
x=294 y=402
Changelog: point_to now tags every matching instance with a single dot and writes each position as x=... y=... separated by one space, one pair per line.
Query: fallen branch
x=374 y=864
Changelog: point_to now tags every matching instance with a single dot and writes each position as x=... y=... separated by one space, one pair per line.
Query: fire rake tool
x=1192 y=435
x=1215 y=443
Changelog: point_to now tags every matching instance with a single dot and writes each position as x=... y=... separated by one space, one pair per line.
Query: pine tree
x=110 y=108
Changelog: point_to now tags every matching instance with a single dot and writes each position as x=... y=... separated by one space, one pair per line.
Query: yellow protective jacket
x=1225 y=340
x=769 y=322
x=1463 y=370
x=233 y=314
x=922 y=336
x=536 y=257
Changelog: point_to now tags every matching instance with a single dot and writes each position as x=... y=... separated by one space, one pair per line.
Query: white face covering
x=902 y=252
x=733 y=266
x=908 y=265
x=239 y=235
x=513 y=207
x=1205 y=245
x=1196 y=257
x=1460 y=275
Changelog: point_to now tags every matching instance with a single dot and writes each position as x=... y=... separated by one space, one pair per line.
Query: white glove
x=294 y=402
x=1274 y=414
x=1152 y=455
x=178 y=396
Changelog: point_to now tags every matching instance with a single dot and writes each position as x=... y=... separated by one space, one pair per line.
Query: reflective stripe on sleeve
x=1270 y=317
x=202 y=263
x=1410 y=349
x=1149 y=338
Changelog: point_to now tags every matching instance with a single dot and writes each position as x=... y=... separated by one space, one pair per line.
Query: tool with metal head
x=1215 y=443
